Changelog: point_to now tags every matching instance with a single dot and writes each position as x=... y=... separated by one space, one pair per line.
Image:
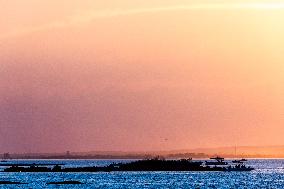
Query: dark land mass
x=66 y=182
x=140 y=165
x=10 y=182
x=29 y=164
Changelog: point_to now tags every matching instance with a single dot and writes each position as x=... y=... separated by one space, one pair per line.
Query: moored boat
x=239 y=167
x=239 y=161
x=218 y=161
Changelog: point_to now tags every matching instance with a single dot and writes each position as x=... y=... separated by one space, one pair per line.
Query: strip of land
x=227 y=152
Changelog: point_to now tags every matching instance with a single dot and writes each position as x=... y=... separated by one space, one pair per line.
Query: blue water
x=269 y=173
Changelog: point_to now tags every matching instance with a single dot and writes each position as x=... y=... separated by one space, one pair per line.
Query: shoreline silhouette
x=156 y=164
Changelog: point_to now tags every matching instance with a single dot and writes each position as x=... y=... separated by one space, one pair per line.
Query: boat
x=219 y=161
x=239 y=161
x=239 y=167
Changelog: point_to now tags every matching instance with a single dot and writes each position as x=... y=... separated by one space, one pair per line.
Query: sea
x=268 y=173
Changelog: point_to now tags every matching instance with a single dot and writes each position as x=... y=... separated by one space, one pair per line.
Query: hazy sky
x=85 y=75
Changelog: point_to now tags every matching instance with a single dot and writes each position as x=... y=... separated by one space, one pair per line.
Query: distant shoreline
x=227 y=152
x=131 y=157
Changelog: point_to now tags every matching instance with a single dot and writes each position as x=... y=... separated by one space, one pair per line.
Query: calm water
x=268 y=174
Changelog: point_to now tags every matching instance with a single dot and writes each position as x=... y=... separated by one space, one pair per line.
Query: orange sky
x=124 y=75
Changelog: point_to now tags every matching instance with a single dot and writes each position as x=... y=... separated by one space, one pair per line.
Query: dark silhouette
x=30 y=164
x=218 y=161
x=66 y=182
x=239 y=161
x=10 y=182
x=156 y=164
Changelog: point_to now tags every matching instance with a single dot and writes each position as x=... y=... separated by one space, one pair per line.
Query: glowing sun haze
x=127 y=75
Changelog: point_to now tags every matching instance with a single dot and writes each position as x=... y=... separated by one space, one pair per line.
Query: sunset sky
x=138 y=75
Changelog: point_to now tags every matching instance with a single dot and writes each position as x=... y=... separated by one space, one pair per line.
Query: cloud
x=91 y=15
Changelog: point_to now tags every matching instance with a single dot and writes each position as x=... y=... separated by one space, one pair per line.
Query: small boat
x=219 y=161
x=239 y=164
x=239 y=167
x=239 y=161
